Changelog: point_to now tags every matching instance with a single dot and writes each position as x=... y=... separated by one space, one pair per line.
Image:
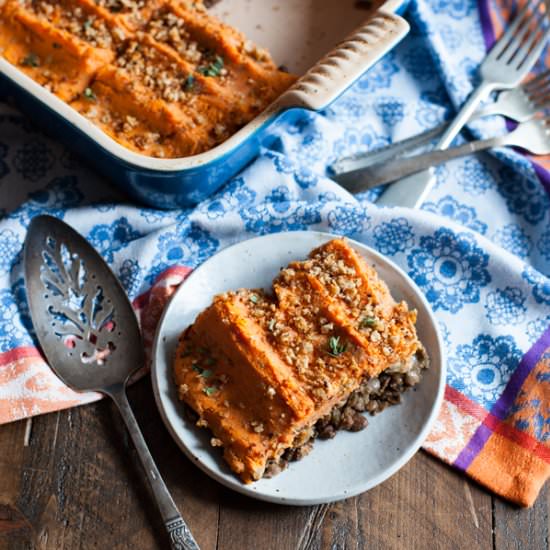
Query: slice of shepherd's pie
x=268 y=373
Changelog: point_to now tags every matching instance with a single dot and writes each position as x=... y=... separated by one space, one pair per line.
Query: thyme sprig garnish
x=204 y=373
x=189 y=83
x=214 y=68
x=336 y=346
x=89 y=94
x=31 y=60
x=369 y=322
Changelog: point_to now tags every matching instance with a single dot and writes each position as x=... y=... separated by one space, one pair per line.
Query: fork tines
x=538 y=90
x=528 y=32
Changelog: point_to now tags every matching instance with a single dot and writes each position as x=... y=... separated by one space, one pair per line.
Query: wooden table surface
x=78 y=485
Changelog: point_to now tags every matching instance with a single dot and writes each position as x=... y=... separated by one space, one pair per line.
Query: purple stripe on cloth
x=527 y=364
x=486 y=24
x=466 y=457
x=544 y=176
x=501 y=407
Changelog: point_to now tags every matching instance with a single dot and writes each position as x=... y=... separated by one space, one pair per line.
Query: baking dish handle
x=339 y=69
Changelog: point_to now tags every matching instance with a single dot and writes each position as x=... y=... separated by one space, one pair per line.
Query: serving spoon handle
x=178 y=532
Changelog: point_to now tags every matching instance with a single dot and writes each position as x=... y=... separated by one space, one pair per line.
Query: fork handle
x=386 y=172
x=179 y=534
x=476 y=97
x=413 y=191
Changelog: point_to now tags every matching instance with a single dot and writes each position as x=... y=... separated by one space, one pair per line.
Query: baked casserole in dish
x=165 y=97
x=165 y=79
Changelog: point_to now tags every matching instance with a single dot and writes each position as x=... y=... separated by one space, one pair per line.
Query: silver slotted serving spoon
x=89 y=334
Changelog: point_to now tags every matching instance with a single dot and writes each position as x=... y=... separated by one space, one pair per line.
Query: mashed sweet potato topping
x=261 y=369
x=162 y=77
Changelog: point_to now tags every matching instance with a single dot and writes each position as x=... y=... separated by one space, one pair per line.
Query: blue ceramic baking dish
x=172 y=183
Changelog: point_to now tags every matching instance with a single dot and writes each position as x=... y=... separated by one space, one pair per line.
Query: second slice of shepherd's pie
x=267 y=373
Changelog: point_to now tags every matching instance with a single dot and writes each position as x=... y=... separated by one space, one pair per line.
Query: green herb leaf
x=214 y=68
x=87 y=24
x=369 y=322
x=253 y=298
x=196 y=368
x=189 y=83
x=336 y=347
x=210 y=361
x=31 y=60
x=210 y=390
x=89 y=94
x=206 y=373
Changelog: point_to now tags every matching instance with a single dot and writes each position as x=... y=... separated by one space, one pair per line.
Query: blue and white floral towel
x=479 y=248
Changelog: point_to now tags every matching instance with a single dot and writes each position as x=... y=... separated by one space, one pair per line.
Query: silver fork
x=520 y=104
x=506 y=65
x=532 y=135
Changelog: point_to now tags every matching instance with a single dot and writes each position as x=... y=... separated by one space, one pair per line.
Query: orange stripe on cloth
x=509 y=470
x=28 y=387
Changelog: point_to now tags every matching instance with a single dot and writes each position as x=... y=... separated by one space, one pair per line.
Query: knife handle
x=386 y=172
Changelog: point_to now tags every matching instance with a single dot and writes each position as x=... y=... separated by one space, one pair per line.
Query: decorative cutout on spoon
x=81 y=315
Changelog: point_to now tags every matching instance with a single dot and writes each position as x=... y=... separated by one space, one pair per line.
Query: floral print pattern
x=110 y=238
x=475 y=177
x=450 y=268
x=279 y=212
x=33 y=160
x=10 y=247
x=189 y=245
x=394 y=236
x=130 y=275
x=482 y=369
x=524 y=195
x=380 y=76
x=513 y=239
x=505 y=306
x=460 y=213
x=540 y=285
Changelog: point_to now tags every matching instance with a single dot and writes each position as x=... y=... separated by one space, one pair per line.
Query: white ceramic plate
x=347 y=465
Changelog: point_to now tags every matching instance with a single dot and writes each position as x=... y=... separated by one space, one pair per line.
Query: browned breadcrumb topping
x=167 y=80
x=78 y=21
x=103 y=57
x=122 y=6
x=168 y=28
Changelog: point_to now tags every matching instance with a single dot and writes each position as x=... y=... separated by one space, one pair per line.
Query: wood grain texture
x=78 y=485
x=516 y=528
